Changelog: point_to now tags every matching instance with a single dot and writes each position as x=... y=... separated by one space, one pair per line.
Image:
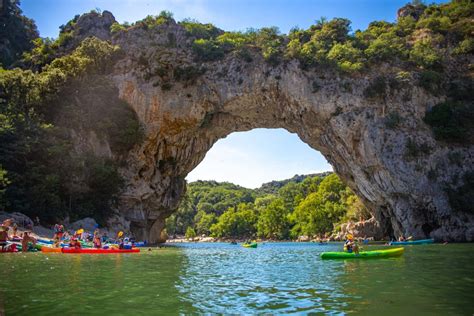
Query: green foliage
x=40 y=55
x=46 y=176
x=451 y=121
x=236 y=222
x=207 y=50
x=320 y=210
x=386 y=46
x=204 y=222
x=273 y=221
x=425 y=54
x=16 y=33
x=309 y=205
x=347 y=57
x=190 y=233
x=199 y=30
x=465 y=47
x=268 y=39
x=152 y=21
x=117 y=27
x=234 y=40
x=431 y=81
x=4 y=182
x=311 y=47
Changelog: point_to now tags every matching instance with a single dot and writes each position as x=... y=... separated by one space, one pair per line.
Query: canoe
x=49 y=249
x=251 y=245
x=413 y=242
x=99 y=251
x=384 y=253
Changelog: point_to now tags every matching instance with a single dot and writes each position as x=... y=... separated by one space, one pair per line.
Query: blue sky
x=245 y=158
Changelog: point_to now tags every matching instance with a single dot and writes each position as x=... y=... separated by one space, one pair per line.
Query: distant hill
x=273 y=186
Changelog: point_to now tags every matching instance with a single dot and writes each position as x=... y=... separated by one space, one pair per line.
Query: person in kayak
x=350 y=245
x=58 y=231
x=74 y=243
x=97 y=240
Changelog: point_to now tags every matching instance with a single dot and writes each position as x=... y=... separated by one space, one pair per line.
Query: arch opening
x=265 y=183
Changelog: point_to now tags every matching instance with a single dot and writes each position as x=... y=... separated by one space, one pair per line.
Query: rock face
x=184 y=115
x=363 y=229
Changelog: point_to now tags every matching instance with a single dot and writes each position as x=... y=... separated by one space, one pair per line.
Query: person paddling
x=351 y=246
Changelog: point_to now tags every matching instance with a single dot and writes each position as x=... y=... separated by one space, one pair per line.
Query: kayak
x=413 y=242
x=19 y=247
x=140 y=244
x=9 y=248
x=45 y=241
x=250 y=245
x=49 y=249
x=384 y=253
x=99 y=251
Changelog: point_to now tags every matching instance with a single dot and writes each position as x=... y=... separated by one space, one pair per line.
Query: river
x=222 y=278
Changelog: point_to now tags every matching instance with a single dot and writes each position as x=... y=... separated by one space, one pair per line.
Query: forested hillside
x=304 y=205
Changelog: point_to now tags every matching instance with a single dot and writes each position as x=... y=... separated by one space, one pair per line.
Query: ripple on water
x=275 y=278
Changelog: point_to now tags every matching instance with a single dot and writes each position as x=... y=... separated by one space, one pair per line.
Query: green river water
x=275 y=278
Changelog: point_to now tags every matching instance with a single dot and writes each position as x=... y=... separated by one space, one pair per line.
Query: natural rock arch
x=184 y=115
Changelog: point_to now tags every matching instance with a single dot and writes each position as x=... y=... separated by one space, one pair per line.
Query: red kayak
x=99 y=251
x=10 y=248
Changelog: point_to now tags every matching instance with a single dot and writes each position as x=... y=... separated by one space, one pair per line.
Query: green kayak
x=382 y=253
x=250 y=245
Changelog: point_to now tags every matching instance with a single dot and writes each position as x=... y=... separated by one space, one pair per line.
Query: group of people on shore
x=9 y=232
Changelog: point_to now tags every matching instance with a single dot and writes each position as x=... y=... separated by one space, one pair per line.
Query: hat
x=349 y=236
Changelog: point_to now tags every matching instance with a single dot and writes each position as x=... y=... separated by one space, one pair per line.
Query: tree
x=273 y=221
x=190 y=233
x=16 y=34
x=204 y=222
x=236 y=222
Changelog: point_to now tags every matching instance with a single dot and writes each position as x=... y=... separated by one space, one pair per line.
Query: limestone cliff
x=185 y=105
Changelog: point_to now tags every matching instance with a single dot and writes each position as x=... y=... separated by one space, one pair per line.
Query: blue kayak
x=413 y=242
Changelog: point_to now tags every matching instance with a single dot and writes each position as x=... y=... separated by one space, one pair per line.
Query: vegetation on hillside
x=41 y=111
x=307 y=205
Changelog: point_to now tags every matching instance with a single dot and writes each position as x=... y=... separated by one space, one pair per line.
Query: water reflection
x=38 y=284
x=275 y=277
x=291 y=278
